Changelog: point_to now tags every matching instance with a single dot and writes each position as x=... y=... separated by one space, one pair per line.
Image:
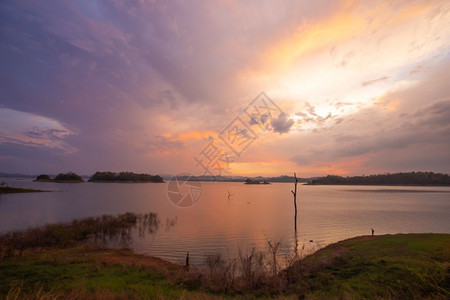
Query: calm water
x=218 y=223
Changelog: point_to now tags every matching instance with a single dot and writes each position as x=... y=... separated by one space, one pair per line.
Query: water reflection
x=106 y=230
x=148 y=224
x=170 y=222
x=222 y=224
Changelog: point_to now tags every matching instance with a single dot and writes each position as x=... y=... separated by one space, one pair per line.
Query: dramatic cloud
x=34 y=131
x=145 y=85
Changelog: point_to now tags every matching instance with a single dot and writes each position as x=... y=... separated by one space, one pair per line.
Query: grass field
x=409 y=266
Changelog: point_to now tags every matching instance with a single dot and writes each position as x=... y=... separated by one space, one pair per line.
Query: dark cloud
x=48 y=134
x=282 y=124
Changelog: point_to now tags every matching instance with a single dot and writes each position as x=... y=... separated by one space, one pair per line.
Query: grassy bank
x=412 y=266
x=403 y=266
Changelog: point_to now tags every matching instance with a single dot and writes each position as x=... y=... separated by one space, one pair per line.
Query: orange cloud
x=312 y=36
x=390 y=104
x=196 y=135
x=350 y=21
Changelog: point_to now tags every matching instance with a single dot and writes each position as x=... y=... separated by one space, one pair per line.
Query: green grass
x=391 y=266
x=10 y=190
x=85 y=277
x=409 y=266
x=79 y=273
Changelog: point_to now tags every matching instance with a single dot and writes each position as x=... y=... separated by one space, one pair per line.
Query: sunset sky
x=360 y=87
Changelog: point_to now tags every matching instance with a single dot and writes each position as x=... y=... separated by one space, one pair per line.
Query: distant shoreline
x=378 y=184
x=395 y=179
x=387 y=179
x=13 y=190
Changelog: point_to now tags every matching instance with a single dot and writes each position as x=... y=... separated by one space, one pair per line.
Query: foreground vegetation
x=124 y=177
x=90 y=273
x=70 y=261
x=411 y=178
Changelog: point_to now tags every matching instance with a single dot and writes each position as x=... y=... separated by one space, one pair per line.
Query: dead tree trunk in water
x=295 y=215
x=295 y=202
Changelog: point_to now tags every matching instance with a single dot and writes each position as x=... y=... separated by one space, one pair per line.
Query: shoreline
x=14 y=190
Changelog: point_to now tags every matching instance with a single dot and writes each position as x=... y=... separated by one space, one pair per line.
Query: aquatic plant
x=103 y=230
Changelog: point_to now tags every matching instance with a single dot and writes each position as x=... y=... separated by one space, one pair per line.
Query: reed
x=101 y=230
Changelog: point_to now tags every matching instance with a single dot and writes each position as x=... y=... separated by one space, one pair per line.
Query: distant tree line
x=124 y=177
x=282 y=178
x=253 y=181
x=410 y=178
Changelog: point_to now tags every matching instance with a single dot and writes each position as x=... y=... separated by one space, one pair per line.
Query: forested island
x=409 y=178
x=69 y=177
x=124 y=177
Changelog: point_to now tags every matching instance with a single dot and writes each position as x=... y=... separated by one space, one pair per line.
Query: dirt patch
x=127 y=258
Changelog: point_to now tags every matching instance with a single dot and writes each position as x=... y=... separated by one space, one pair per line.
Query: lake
x=232 y=216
